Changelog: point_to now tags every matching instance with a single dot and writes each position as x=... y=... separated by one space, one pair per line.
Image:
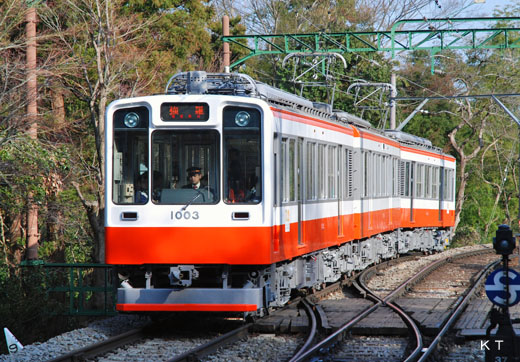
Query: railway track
x=105 y=346
x=317 y=318
x=420 y=350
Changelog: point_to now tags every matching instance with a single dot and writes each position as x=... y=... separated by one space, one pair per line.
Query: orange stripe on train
x=255 y=245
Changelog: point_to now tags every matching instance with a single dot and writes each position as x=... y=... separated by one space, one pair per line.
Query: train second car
x=225 y=194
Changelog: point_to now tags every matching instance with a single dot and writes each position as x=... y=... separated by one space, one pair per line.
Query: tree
x=104 y=50
x=13 y=101
x=472 y=124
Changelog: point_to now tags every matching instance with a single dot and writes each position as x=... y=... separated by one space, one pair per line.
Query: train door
x=441 y=194
x=412 y=189
x=299 y=186
x=407 y=187
x=277 y=214
x=341 y=180
x=290 y=188
x=309 y=189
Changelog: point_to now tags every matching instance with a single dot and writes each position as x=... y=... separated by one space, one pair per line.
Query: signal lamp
x=131 y=119
x=504 y=243
x=242 y=119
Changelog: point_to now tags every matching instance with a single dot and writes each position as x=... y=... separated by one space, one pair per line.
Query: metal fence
x=82 y=289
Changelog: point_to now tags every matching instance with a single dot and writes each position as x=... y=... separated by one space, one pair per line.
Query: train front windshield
x=186 y=165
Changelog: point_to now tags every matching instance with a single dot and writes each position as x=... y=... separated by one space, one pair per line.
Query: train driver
x=194 y=177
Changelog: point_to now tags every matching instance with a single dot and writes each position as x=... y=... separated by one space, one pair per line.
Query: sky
x=471 y=10
x=488 y=7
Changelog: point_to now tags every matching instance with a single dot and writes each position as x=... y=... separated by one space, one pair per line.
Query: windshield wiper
x=189 y=202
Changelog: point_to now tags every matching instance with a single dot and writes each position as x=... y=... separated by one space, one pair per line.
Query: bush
x=27 y=310
x=466 y=235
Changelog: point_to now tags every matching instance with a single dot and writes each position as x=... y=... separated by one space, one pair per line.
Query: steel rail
x=404 y=316
x=103 y=346
x=312 y=332
x=345 y=327
x=459 y=308
x=213 y=345
x=387 y=300
x=412 y=281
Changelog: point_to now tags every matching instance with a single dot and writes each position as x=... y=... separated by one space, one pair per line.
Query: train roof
x=238 y=84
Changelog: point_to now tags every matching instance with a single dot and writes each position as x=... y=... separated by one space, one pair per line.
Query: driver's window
x=186 y=165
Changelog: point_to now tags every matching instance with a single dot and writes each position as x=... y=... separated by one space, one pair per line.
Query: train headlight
x=131 y=120
x=242 y=119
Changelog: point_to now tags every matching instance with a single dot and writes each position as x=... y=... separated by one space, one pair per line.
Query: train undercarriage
x=254 y=289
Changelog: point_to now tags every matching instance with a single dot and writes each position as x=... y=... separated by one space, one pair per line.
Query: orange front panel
x=210 y=245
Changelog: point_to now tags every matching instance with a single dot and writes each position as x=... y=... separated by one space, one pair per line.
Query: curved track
x=417 y=352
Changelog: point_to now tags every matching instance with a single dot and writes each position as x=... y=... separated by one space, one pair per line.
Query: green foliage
x=28 y=169
x=177 y=34
x=27 y=310
x=466 y=235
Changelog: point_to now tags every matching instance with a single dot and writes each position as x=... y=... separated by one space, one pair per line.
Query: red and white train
x=292 y=194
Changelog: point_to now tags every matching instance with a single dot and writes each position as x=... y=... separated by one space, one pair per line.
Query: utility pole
x=226 y=52
x=32 y=114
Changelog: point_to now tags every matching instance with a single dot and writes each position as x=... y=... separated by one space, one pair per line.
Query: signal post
x=503 y=289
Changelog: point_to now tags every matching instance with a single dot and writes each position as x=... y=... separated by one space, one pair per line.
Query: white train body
x=292 y=195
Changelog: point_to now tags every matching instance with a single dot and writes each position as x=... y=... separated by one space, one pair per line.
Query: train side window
x=390 y=173
x=311 y=171
x=389 y=176
x=283 y=171
x=435 y=183
x=384 y=178
x=299 y=170
x=428 y=182
x=331 y=172
x=405 y=178
x=373 y=166
x=242 y=155
x=448 y=185
x=445 y=187
x=289 y=169
x=292 y=169
x=377 y=173
x=452 y=185
x=372 y=176
x=130 y=177
x=322 y=165
x=419 y=191
x=365 y=167
x=381 y=180
x=395 y=176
